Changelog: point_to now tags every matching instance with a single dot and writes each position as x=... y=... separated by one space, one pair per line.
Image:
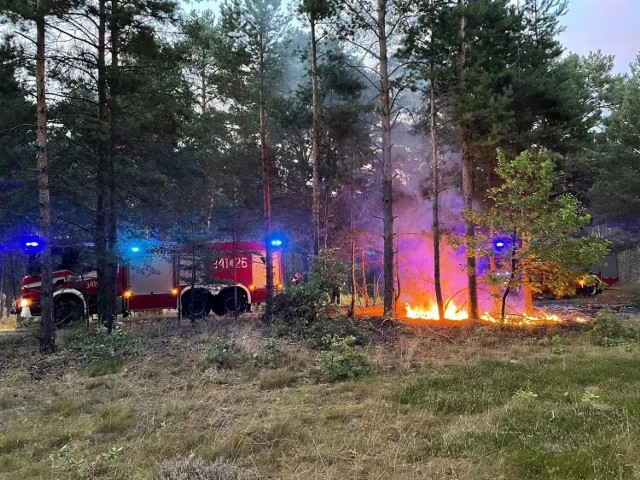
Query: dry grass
x=440 y=405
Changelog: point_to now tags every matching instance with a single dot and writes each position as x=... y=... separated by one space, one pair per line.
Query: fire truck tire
x=229 y=303
x=67 y=310
x=195 y=304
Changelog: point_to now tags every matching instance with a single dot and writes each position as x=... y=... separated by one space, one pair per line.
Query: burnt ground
x=622 y=298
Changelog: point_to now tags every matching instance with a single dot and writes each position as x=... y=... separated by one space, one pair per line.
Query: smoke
x=414 y=235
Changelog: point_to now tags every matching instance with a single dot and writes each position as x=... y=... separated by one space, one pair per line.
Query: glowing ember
x=523 y=320
x=452 y=312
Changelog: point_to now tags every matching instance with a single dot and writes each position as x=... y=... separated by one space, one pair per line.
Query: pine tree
x=258 y=26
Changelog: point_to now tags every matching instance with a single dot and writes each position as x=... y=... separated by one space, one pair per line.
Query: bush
x=270 y=355
x=344 y=362
x=101 y=344
x=226 y=354
x=610 y=330
x=82 y=468
x=299 y=312
x=198 y=469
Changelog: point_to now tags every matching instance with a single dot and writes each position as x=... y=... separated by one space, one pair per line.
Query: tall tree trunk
x=47 y=325
x=435 y=186
x=266 y=174
x=315 y=139
x=387 y=168
x=102 y=175
x=113 y=82
x=469 y=228
x=493 y=264
x=354 y=284
x=467 y=183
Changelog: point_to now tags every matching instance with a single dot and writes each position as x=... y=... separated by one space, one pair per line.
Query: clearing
x=472 y=403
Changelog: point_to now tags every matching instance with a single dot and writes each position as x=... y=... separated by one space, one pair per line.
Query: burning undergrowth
x=415 y=271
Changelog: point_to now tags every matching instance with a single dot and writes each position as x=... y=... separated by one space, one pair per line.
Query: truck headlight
x=25 y=302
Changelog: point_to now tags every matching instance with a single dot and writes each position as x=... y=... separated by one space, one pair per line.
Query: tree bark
x=315 y=138
x=435 y=186
x=354 y=284
x=387 y=167
x=467 y=183
x=102 y=175
x=47 y=326
x=112 y=230
x=266 y=180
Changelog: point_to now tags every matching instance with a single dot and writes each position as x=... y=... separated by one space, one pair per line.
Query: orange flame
x=452 y=312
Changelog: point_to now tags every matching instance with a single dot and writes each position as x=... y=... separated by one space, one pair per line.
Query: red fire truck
x=219 y=277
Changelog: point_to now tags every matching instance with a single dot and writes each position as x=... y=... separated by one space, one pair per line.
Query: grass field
x=470 y=404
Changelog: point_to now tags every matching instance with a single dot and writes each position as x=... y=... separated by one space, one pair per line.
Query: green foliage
x=100 y=344
x=613 y=167
x=545 y=248
x=525 y=394
x=226 y=355
x=342 y=361
x=327 y=273
x=82 y=468
x=197 y=469
x=300 y=312
x=105 y=366
x=610 y=330
x=270 y=355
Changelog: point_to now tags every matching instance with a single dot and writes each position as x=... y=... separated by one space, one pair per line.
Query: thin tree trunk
x=435 y=186
x=467 y=184
x=528 y=299
x=102 y=175
x=315 y=139
x=493 y=265
x=112 y=235
x=2 y=301
x=365 y=287
x=326 y=219
x=266 y=171
x=47 y=325
x=354 y=285
x=387 y=168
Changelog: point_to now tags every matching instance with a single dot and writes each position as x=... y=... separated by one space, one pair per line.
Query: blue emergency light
x=500 y=244
x=32 y=244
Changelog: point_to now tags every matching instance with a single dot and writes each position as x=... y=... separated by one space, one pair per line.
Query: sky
x=612 y=26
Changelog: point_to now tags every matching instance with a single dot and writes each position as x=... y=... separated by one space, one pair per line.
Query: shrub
x=83 y=468
x=343 y=361
x=198 y=469
x=226 y=354
x=101 y=344
x=299 y=312
x=609 y=330
x=270 y=355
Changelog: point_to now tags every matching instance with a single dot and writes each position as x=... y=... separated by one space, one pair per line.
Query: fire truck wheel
x=67 y=310
x=232 y=304
x=195 y=304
